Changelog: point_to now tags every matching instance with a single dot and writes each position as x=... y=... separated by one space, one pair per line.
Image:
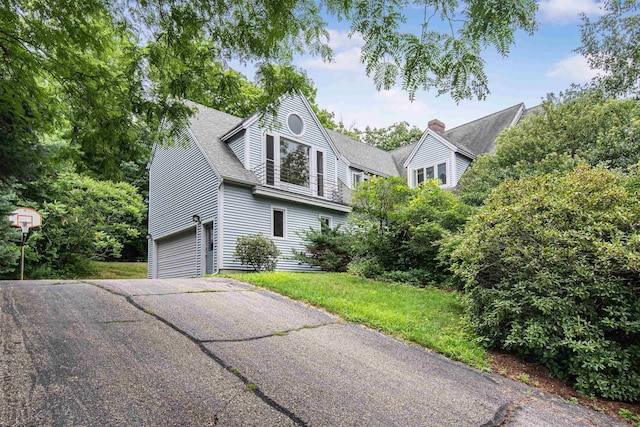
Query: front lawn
x=429 y=317
x=118 y=270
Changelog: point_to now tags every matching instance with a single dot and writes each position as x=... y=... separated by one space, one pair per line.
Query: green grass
x=430 y=317
x=118 y=270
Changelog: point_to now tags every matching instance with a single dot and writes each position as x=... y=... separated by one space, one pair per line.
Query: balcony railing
x=301 y=182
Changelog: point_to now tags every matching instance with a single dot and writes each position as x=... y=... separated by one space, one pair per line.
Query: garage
x=176 y=255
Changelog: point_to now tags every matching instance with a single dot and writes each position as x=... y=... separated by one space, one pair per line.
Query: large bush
x=552 y=269
x=328 y=248
x=257 y=251
x=397 y=230
x=83 y=220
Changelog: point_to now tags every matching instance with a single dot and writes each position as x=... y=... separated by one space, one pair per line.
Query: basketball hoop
x=25 y=218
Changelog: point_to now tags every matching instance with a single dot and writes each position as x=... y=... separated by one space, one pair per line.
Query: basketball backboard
x=25 y=218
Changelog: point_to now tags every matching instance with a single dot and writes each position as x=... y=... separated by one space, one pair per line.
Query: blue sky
x=543 y=63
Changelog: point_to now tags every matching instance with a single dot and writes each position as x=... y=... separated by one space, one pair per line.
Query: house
x=228 y=177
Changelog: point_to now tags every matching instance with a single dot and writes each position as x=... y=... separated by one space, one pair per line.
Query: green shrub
x=328 y=248
x=552 y=268
x=257 y=251
x=399 y=229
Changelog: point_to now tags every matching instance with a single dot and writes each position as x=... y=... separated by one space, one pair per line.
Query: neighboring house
x=229 y=177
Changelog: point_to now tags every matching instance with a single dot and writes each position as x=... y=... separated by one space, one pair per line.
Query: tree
x=396 y=230
x=111 y=72
x=612 y=44
x=83 y=220
x=392 y=137
x=587 y=127
x=551 y=265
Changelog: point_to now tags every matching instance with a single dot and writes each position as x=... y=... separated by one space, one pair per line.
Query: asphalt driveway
x=199 y=352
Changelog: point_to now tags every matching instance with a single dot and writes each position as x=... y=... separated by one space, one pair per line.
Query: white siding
x=245 y=215
x=181 y=184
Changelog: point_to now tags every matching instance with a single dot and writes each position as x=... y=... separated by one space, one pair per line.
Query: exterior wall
x=181 y=184
x=430 y=152
x=462 y=163
x=237 y=146
x=312 y=135
x=245 y=214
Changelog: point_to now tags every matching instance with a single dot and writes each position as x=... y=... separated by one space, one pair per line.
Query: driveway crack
x=274 y=334
x=249 y=386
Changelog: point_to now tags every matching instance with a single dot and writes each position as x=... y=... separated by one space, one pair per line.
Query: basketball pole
x=22 y=257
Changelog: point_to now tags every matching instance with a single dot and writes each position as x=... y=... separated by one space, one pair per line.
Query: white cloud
x=346 y=53
x=564 y=11
x=575 y=68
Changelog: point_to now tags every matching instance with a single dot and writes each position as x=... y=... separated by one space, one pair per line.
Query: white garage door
x=176 y=255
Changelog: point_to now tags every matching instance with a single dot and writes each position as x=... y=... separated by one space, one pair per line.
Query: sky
x=543 y=63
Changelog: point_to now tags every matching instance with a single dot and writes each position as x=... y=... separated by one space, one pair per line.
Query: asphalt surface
x=198 y=352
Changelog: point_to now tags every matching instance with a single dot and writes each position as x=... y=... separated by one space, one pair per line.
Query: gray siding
x=430 y=152
x=462 y=163
x=313 y=134
x=181 y=184
x=237 y=146
x=245 y=215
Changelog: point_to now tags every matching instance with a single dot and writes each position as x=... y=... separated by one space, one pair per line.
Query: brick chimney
x=436 y=125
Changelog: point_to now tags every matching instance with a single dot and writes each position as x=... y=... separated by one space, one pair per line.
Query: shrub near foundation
x=552 y=268
x=257 y=251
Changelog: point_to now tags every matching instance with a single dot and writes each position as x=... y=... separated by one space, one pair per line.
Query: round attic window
x=295 y=123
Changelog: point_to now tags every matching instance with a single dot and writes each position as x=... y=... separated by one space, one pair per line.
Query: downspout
x=219 y=245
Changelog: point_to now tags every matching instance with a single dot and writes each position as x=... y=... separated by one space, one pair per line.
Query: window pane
x=294 y=162
x=325 y=223
x=278 y=223
x=420 y=176
x=442 y=172
x=320 y=172
x=270 y=165
x=295 y=124
x=429 y=172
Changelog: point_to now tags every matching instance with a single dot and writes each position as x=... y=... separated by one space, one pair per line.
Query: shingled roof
x=208 y=126
x=479 y=136
x=471 y=139
x=364 y=156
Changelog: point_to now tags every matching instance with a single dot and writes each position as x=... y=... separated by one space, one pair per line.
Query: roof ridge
x=484 y=117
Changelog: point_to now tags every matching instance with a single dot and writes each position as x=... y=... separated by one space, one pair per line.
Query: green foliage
x=612 y=44
x=389 y=138
x=83 y=220
x=551 y=264
x=328 y=248
x=257 y=251
x=430 y=317
x=448 y=61
x=397 y=230
x=9 y=235
x=585 y=127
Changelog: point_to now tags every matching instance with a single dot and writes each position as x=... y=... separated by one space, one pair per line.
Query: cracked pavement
x=218 y=352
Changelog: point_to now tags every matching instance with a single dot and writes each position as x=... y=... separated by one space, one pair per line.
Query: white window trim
x=314 y=171
x=304 y=124
x=284 y=223
x=330 y=222
x=313 y=153
x=412 y=171
x=358 y=173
